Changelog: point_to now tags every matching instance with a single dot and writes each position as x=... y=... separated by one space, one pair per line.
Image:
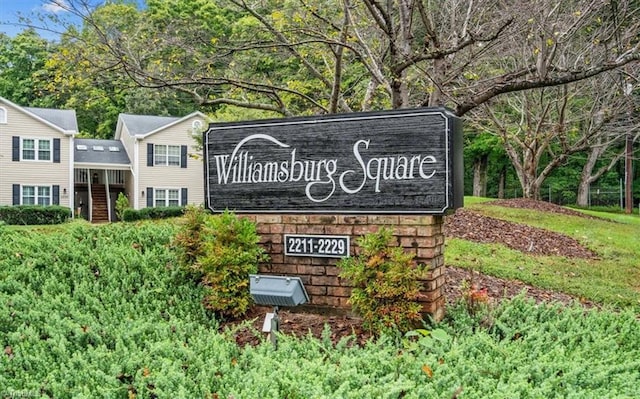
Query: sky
x=11 y=9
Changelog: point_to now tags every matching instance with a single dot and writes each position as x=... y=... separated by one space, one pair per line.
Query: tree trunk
x=587 y=177
x=502 y=182
x=582 y=198
x=480 y=176
x=532 y=190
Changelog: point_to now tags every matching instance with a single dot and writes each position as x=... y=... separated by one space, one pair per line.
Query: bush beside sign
x=401 y=161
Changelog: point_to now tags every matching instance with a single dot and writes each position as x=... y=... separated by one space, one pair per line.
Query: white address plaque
x=316 y=245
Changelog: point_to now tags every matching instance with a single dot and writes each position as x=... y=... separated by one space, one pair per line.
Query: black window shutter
x=149 y=154
x=16 y=194
x=15 y=148
x=183 y=156
x=149 y=197
x=183 y=200
x=56 y=195
x=56 y=150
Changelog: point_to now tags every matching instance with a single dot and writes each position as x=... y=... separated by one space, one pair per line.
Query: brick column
x=420 y=235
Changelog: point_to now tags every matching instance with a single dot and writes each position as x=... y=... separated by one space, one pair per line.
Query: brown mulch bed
x=473 y=226
x=498 y=288
x=526 y=203
x=463 y=224
x=249 y=330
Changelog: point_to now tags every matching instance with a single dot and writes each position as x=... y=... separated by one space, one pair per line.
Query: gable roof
x=98 y=151
x=141 y=125
x=146 y=125
x=63 y=120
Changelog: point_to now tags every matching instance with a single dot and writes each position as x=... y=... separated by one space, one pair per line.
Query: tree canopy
x=518 y=71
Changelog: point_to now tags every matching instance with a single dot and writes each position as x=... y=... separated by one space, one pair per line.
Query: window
x=166 y=197
x=81 y=147
x=36 y=149
x=166 y=155
x=114 y=149
x=98 y=148
x=3 y=115
x=36 y=195
x=28 y=195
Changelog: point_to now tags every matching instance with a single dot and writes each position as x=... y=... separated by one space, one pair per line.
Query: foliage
x=34 y=214
x=298 y=57
x=98 y=98
x=224 y=250
x=85 y=310
x=160 y=212
x=475 y=299
x=188 y=240
x=421 y=342
x=122 y=203
x=278 y=58
x=385 y=283
x=106 y=311
x=23 y=78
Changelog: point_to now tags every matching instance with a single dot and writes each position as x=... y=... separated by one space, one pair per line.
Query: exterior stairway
x=100 y=213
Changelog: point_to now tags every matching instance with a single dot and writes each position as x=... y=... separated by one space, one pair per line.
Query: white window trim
x=166 y=198
x=36 y=146
x=35 y=193
x=3 y=115
x=166 y=156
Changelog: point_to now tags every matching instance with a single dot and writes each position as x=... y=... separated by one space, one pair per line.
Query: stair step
x=100 y=212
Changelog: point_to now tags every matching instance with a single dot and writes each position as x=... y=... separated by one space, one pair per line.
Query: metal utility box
x=277 y=290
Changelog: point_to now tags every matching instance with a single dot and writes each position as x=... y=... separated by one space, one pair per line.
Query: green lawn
x=613 y=279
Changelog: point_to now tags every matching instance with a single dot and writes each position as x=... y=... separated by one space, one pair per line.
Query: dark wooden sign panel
x=401 y=161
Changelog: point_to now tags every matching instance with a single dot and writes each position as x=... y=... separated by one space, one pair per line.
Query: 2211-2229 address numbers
x=316 y=245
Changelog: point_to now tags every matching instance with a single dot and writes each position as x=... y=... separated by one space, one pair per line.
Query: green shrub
x=568 y=197
x=131 y=215
x=122 y=203
x=34 y=214
x=161 y=212
x=188 y=241
x=385 y=284
x=106 y=311
x=224 y=250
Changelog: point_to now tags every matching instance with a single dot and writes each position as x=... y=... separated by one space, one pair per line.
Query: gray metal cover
x=277 y=290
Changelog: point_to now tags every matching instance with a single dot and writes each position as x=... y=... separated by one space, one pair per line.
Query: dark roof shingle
x=140 y=125
x=113 y=152
x=63 y=118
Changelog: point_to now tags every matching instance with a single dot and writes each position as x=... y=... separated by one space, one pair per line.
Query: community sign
x=390 y=162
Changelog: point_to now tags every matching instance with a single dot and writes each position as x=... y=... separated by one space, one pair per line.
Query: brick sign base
x=417 y=234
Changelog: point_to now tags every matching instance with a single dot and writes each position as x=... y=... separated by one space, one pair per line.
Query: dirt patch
x=464 y=224
x=249 y=330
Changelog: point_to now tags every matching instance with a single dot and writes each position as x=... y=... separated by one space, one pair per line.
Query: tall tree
x=97 y=90
x=540 y=129
x=297 y=56
x=481 y=149
x=22 y=73
x=612 y=110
